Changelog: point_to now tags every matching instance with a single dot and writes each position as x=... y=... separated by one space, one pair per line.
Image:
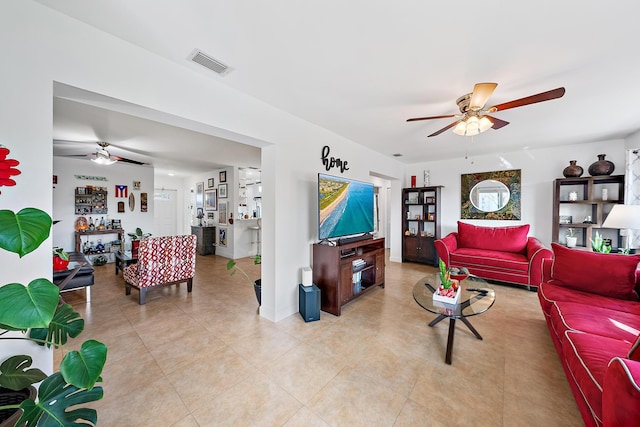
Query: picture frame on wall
x=222 y=191
x=210 y=183
x=210 y=200
x=222 y=236
x=222 y=213
x=200 y=195
x=223 y=176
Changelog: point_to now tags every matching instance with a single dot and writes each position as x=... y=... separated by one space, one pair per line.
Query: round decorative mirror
x=489 y=195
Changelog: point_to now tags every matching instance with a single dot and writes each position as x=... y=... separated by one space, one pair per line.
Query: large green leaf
x=55 y=396
x=83 y=368
x=15 y=375
x=65 y=323
x=29 y=306
x=23 y=232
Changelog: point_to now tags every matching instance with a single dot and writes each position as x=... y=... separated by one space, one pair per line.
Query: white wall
x=116 y=174
x=78 y=55
x=540 y=167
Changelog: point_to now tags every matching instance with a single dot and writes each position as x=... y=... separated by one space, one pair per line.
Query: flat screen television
x=345 y=207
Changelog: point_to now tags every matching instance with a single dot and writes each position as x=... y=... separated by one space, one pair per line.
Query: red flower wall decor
x=7 y=169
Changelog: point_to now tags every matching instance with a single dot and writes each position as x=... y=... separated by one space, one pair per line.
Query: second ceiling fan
x=474 y=115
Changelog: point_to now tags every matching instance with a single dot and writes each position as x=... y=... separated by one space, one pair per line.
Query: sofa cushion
x=508 y=261
x=587 y=357
x=548 y=293
x=505 y=239
x=634 y=353
x=611 y=275
x=595 y=320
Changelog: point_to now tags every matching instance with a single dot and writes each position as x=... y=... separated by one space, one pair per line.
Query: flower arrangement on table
x=449 y=290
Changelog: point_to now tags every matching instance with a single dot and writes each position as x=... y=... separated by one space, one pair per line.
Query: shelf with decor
x=580 y=205
x=90 y=200
x=420 y=224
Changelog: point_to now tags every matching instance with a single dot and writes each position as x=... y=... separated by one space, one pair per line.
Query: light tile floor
x=208 y=359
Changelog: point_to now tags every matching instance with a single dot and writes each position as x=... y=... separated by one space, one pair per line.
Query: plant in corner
x=257 y=284
x=138 y=234
x=135 y=240
x=36 y=313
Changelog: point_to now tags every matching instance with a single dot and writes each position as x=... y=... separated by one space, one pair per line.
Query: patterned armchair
x=162 y=261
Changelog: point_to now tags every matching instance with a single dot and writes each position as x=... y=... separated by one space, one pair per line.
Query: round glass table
x=476 y=298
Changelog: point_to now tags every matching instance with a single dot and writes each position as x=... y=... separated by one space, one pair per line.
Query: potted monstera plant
x=36 y=313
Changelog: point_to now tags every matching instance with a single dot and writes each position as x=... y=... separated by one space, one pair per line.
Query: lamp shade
x=623 y=216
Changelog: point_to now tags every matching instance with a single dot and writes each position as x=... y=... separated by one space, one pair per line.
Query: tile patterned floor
x=208 y=359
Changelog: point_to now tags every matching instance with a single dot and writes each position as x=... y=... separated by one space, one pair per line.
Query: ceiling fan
x=475 y=118
x=102 y=156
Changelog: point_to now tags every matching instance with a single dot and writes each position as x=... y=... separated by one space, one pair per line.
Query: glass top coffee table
x=476 y=298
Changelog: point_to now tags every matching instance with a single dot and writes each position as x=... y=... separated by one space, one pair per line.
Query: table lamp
x=624 y=217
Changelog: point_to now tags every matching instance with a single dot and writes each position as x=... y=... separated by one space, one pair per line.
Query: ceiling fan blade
x=497 y=123
x=481 y=94
x=533 y=99
x=125 y=160
x=415 y=119
x=444 y=129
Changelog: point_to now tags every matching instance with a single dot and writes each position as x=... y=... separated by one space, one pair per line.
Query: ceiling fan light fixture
x=472 y=125
x=102 y=157
x=460 y=128
x=103 y=161
x=485 y=124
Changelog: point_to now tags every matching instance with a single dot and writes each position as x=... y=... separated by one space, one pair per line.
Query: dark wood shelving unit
x=589 y=202
x=206 y=239
x=420 y=224
x=336 y=274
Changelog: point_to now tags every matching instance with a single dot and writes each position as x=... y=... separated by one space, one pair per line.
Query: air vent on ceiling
x=207 y=61
x=397 y=155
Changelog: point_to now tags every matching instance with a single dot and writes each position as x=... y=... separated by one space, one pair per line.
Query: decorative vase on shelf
x=602 y=167
x=573 y=170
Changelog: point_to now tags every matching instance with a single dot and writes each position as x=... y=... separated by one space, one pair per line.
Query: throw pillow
x=634 y=353
x=505 y=239
x=610 y=275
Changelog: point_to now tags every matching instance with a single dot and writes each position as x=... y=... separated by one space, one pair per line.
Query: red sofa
x=590 y=303
x=505 y=254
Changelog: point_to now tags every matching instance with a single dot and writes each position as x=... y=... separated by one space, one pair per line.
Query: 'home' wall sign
x=333 y=162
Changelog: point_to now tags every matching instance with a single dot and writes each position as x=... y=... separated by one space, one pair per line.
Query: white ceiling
x=361 y=68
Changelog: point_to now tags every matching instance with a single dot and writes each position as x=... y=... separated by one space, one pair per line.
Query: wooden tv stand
x=334 y=271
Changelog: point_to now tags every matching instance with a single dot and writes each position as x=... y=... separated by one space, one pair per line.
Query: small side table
x=123 y=259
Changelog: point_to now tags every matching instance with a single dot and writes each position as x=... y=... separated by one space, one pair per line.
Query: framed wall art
x=210 y=183
x=222 y=213
x=223 y=176
x=210 y=200
x=143 y=202
x=491 y=195
x=222 y=191
x=199 y=194
x=222 y=237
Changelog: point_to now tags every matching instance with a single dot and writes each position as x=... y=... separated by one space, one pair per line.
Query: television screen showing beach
x=346 y=206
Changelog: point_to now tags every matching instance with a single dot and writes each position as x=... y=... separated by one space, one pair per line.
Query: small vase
x=573 y=170
x=572 y=241
x=602 y=167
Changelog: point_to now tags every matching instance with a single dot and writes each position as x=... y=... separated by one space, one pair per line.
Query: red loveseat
x=590 y=303
x=504 y=254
